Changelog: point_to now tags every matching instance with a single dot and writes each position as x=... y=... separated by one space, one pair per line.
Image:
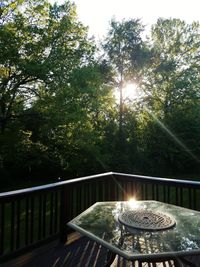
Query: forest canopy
x=59 y=116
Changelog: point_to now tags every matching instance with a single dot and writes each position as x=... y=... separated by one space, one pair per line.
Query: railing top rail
x=94 y=177
x=52 y=185
x=159 y=179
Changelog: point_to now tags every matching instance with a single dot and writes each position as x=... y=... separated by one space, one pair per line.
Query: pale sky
x=97 y=13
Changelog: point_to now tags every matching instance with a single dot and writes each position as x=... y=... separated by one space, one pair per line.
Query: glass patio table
x=144 y=231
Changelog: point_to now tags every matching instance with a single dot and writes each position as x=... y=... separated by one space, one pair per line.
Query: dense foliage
x=58 y=114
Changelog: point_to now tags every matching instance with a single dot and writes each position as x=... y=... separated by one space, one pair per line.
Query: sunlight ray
x=173 y=136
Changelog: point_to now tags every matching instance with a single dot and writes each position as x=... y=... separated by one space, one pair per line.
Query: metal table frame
x=179 y=257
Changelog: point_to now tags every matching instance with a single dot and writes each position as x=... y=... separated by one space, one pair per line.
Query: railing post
x=63 y=216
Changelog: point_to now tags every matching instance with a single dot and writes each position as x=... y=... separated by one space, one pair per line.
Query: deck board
x=79 y=251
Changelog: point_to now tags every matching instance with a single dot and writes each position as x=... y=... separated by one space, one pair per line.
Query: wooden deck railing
x=30 y=217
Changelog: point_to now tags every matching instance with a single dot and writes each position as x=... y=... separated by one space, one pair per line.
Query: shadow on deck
x=79 y=251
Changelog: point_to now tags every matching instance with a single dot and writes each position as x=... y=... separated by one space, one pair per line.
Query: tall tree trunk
x=121 y=110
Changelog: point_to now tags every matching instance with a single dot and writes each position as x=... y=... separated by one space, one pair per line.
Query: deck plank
x=79 y=251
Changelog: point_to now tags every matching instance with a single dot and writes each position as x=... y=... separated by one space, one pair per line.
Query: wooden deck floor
x=77 y=252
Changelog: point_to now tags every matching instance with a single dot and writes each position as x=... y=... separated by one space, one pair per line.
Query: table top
x=101 y=223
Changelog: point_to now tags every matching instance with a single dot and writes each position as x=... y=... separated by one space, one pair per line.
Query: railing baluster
x=89 y=194
x=63 y=210
x=164 y=193
x=123 y=189
x=85 y=196
x=78 y=198
x=181 y=197
x=157 y=192
x=112 y=189
x=117 y=189
x=177 y=195
x=194 y=199
x=142 y=191
x=44 y=215
x=70 y=200
x=168 y=194
x=74 y=202
x=18 y=224
x=32 y=220
x=40 y=217
x=94 y=196
x=82 y=196
x=12 y=226
x=153 y=191
x=145 y=191
x=136 y=190
x=132 y=188
x=125 y=192
x=81 y=199
x=56 y=212
x=106 y=190
x=190 y=198
x=26 y=220
x=51 y=213
x=2 y=227
x=100 y=186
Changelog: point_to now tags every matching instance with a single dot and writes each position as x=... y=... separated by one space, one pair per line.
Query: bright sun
x=130 y=92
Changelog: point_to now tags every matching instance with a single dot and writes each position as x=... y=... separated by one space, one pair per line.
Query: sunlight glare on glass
x=132 y=202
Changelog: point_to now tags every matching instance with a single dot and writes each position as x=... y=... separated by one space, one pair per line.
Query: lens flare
x=132 y=202
x=173 y=136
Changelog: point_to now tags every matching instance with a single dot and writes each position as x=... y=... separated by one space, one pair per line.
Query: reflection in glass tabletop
x=101 y=223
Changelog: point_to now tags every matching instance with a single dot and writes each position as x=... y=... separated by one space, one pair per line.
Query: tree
x=173 y=75
x=123 y=46
x=171 y=84
x=39 y=44
x=76 y=121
